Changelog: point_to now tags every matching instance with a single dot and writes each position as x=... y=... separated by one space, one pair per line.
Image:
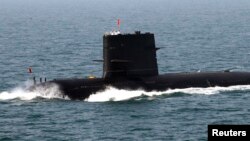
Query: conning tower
x=129 y=55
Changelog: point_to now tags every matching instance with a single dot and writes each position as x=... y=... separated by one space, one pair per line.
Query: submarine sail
x=129 y=55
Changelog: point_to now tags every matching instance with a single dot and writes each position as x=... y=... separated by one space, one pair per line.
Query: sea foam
x=109 y=94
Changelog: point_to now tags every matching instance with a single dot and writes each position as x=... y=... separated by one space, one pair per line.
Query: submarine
x=130 y=62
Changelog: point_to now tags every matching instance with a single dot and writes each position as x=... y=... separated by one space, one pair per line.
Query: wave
x=113 y=94
x=110 y=93
x=23 y=93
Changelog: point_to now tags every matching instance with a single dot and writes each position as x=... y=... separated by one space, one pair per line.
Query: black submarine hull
x=130 y=62
x=83 y=88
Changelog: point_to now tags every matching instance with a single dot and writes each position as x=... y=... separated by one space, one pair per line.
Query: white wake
x=113 y=94
x=21 y=92
x=109 y=94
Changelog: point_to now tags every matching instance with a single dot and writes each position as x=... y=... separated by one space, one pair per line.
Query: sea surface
x=60 y=38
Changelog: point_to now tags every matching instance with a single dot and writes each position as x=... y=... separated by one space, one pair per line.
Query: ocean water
x=60 y=38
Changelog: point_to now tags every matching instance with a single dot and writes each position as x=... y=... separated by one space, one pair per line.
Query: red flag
x=118 y=23
x=30 y=70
